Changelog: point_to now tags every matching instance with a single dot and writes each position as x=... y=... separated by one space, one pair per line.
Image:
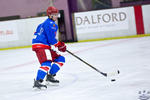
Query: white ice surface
x=78 y=81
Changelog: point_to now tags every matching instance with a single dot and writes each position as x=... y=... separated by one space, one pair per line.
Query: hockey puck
x=112 y=80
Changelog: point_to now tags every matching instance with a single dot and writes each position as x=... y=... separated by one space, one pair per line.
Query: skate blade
x=52 y=84
x=39 y=88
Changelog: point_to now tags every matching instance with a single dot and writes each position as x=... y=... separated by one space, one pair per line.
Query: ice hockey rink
x=77 y=80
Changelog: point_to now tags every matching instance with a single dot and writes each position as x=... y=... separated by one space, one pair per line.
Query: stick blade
x=113 y=73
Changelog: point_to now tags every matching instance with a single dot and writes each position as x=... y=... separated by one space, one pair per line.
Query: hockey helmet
x=51 y=10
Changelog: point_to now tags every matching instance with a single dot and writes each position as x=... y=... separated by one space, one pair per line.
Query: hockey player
x=44 y=39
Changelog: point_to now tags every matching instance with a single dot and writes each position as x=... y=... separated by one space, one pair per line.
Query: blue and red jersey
x=45 y=33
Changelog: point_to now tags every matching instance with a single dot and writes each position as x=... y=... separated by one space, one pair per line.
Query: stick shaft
x=87 y=63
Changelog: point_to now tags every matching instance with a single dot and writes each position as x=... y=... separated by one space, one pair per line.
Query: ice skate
x=51 y=80
x=38 y=84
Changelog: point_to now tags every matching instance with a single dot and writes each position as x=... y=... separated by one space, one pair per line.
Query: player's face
x=54 y=16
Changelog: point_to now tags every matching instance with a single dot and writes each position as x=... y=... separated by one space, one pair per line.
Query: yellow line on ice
x=112 y=38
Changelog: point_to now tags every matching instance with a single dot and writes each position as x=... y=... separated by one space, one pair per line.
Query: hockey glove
x=61 y=46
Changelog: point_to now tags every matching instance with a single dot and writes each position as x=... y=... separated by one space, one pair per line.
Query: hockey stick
x=104 y=74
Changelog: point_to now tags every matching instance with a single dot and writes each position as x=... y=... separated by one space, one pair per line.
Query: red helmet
x=51 y=10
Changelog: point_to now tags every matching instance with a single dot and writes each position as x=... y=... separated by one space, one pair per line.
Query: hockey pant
x=51 y=66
